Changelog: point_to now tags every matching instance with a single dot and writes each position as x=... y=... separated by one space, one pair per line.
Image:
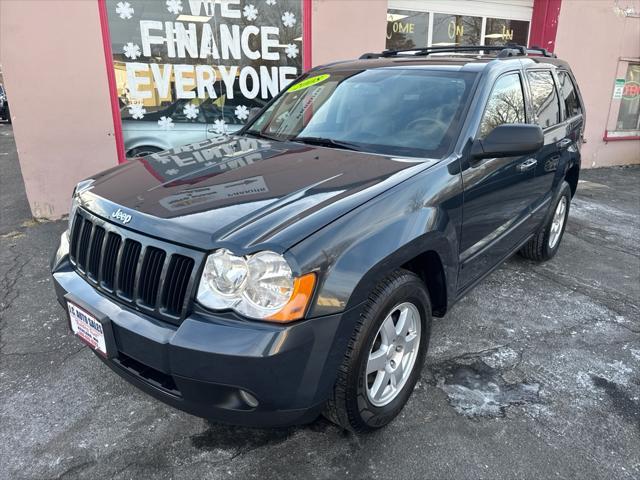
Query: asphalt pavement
x=535 y=374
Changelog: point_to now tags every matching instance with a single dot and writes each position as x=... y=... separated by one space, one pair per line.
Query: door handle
x=528 y=164
x=565 y=142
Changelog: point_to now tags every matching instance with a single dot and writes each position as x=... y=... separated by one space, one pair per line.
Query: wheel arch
x=428 y=266
x=571 y=177
x=427 y=257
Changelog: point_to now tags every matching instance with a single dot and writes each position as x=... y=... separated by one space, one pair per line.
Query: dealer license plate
x=88 y=328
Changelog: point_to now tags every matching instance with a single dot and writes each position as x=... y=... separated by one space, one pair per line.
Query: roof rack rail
x=508 y=50
x=542 y=51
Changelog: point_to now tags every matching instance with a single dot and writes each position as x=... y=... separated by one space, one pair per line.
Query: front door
x=498 y=192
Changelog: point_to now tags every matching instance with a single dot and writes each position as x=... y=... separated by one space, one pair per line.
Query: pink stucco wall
x=55 y=74
x=345 y=29
x=592 y=38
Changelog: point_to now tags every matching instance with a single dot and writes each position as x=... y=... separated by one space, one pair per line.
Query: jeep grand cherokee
x=293 y=269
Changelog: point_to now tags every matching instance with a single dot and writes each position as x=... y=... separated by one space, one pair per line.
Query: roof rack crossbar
x=508 y=50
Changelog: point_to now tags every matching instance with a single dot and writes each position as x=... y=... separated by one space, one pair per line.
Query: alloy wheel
x=393 y=354
x=558 y=222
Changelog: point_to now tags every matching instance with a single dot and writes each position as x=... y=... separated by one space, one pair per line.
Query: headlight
x=259 y=286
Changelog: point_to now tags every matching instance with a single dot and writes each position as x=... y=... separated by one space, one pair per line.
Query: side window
x=544 y=98
x=505 y=104
x=568 y=95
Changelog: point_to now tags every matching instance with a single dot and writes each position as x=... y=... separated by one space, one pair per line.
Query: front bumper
x=202 y=365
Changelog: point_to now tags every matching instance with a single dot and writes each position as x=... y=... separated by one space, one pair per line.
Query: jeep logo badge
x=120 y=215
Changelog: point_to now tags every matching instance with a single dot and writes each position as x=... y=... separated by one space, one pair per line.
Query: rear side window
x=505 y=104
x=568 y=95
x=544 y=98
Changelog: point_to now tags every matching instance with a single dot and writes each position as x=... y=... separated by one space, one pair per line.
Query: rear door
x=546 y=112
x=498 y=192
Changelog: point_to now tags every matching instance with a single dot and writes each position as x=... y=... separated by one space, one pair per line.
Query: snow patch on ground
x=478 y=389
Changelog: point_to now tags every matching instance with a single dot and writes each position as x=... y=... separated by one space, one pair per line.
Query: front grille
x=149 y=275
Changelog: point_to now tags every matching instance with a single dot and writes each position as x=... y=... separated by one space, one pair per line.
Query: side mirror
x=509 y=140
x=252 y=113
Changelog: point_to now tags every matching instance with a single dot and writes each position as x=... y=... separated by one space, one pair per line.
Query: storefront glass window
x=188 y=70
x=406 y=29
x=629 y=113
x=500 y=31
x=456 y=30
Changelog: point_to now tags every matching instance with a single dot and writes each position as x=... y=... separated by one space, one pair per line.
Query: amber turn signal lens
x=297 y=305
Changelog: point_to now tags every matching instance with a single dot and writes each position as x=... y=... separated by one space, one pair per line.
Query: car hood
x=242 y=192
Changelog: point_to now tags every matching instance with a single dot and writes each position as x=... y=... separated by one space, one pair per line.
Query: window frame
x=614 y=115
x=527 y=115
x=565 y=116
x=611 y=132
x=534 y=114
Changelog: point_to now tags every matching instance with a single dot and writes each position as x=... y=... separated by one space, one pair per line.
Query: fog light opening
x=249 y=399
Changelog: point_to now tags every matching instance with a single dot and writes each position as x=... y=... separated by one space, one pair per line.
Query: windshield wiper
x=254 y=133
x=326 y=142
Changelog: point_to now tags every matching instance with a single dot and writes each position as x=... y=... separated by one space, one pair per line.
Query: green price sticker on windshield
x=308 y=82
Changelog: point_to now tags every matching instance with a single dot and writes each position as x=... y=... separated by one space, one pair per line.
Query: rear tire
x=383 y=360
x=545 y=243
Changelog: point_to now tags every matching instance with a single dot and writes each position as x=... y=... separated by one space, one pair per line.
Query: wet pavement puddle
x=477 y=389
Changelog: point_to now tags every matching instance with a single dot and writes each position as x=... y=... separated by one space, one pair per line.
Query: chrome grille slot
x=150 y=275
x=109 y=261
x=83 y=247
x=128 y=268
x=95 y=254
x=176 y=281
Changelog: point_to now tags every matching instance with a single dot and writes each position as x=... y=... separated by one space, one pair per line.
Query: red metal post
x=111 y=79
x=544 y=23
x=306 y=34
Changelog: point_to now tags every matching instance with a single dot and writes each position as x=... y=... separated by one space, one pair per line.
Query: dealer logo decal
x=120 y=215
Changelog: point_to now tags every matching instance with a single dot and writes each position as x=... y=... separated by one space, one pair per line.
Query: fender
x=355 y=252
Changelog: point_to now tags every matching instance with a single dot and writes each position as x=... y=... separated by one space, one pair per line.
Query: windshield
x=407 y=112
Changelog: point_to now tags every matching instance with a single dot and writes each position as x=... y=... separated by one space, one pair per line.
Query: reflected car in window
x=182 y=122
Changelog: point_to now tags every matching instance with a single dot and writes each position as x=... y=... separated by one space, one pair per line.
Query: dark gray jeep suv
x=293 y=268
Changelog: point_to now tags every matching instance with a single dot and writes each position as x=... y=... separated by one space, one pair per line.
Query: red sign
x=631 y=90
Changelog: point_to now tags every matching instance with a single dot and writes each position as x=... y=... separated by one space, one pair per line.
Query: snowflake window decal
x=250 y=12
x=288 y=19
x=165 y=123
x=270 y=2
x=241 y=112
x=174 y=6
x=124 y=10
x=220 y=127
x=137 y=111
x=291 y=50
x=191 y=111
x=132 y=51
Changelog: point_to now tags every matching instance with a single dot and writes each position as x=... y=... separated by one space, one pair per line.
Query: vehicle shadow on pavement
x=245 y=439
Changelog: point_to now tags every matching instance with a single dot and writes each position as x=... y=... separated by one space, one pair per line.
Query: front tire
x=545 y=243
x=384 y=356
